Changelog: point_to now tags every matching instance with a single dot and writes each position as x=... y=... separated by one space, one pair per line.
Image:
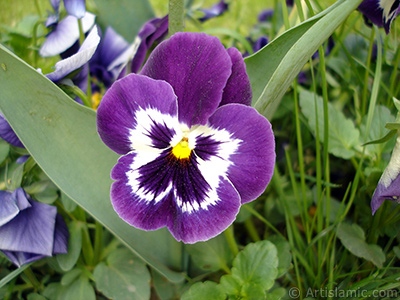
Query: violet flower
x=30 y=230
x=215 y=11
x=193 y=150
x=380 y=12
x=389 y=184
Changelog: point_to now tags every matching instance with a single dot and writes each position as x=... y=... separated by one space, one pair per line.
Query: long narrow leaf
x=273 y=69
x=61 y=136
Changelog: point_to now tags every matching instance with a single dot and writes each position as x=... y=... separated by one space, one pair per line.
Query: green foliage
x=122 y=276
x=343 y=135
x=352 y=237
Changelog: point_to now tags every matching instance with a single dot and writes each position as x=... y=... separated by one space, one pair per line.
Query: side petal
x=133 y=105
x=252 y=164
x=238 y=88
x=22 y=258
x=61 y=236
x=197 y=66
x=74 y=62
x=8 y=208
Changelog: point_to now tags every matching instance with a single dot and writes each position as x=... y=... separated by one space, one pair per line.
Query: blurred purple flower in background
x=30 y=230
x=215 y=11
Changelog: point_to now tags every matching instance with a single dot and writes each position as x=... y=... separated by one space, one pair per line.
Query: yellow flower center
x=96 y=98
x=182 y=150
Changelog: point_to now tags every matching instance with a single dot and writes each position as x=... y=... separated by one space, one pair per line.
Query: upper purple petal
x=116 y=114
x=8 y=134
x=197 y=66
x=74 y=62
x=61 y=236
x=238 y=88
x=253 y=163
x=151 y=31
x=76 y=8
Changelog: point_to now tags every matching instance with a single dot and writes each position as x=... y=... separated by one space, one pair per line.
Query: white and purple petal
x=133 y=106
x=74 y=62
x=252 y=164
x=389 y=184
x=380 y=12
x=197 y=66
x=65 y=34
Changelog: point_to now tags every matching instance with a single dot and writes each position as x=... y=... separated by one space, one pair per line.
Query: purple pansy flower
x=30 y=230
x=380 y=12
x=266 y=15
x=76 y=8
x=389 y=184
x=193 y=150
x=215 y=11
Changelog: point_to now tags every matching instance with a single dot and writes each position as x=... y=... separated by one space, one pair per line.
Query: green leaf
x=125 y=17
x=343 y=135
x=68 y=261
x=212 y=255
x=80 y=289
x=35 y=296
x=61 y=135
x=68 y=204
x=283 y=251
x=273 y=69
x=204 y=290
x=382 y=115
x=353 y=239
x=255 y=265
x=4 y=150
x=123 y=277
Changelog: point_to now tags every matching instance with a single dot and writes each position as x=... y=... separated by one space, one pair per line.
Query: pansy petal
x=75 y=8
x=388 y=187
x=61 y=236
x=252 y=164
x=22 y=258
x=197 y=66
x=65 y=35
x=238 y=88
x=8 y=134
x=153 y=191
x=8 y=208
x=215 y=11
x=133 y=105
x=32 y=230
x=74 y=62
x=216 y=213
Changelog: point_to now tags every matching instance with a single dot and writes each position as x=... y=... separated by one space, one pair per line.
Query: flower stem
x=176 y=16
x=230 y=237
